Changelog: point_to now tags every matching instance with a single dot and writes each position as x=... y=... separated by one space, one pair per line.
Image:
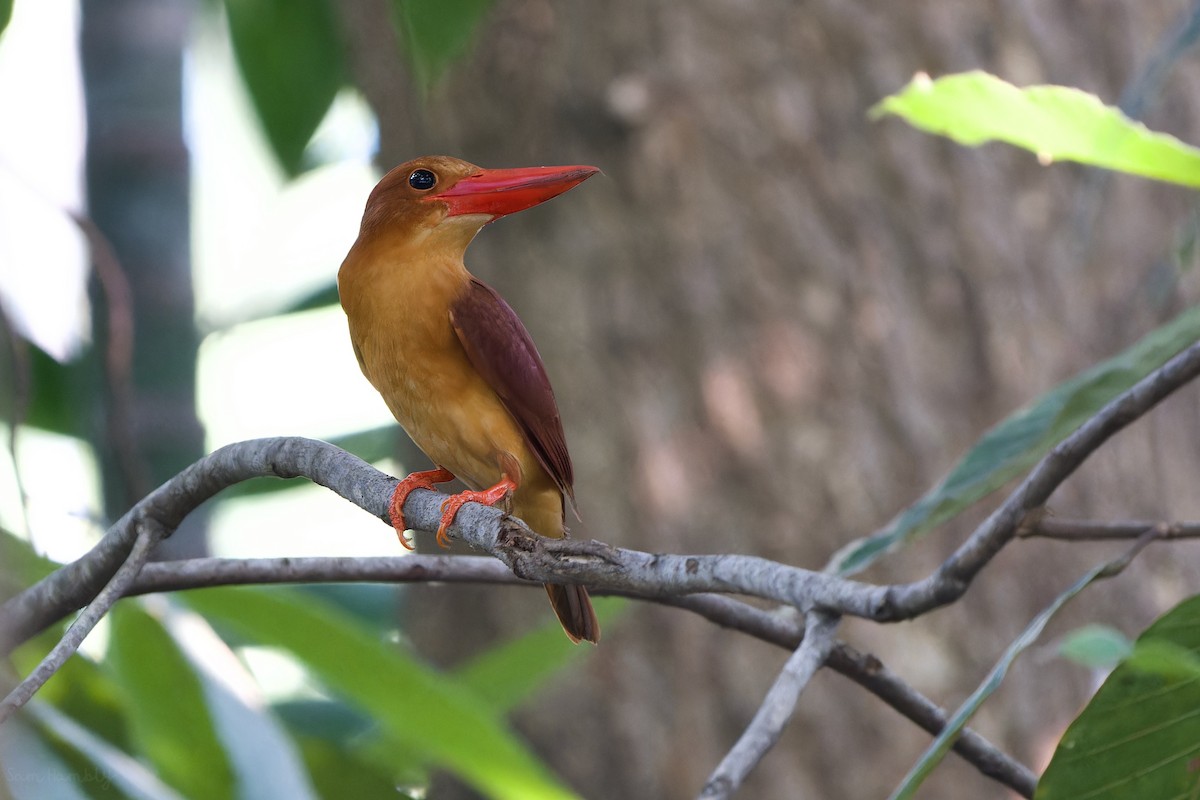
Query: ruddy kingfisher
x=454 y=363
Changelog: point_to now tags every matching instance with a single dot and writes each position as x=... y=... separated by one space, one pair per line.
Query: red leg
x=489 y=497
x=418 y=480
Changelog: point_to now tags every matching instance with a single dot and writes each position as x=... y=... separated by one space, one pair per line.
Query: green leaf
x=21 y=563
x=31 y=770
x=1095 y=646
x=436 y=32
x=80 y=689
x=165 y=703
x=1057 y=123
x=6 y=7
x=58 y=401
x=1016 y=444
x=338 y=772
x=1140 y=735
x=262 y=756
x=425 y=713
x=104 y=763
x=323 y=297
x=290 y=56
x=507 y=674
x=942 y=743
x=337 y=740
x=1165 y=659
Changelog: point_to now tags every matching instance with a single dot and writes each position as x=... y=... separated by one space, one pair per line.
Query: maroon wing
x=501 y=350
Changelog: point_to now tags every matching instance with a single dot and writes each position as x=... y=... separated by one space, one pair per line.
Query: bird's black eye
x=422 y=180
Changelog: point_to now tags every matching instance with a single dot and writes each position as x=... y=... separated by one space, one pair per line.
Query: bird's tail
x=574 y=611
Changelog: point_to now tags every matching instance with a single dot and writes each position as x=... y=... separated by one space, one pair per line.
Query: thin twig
x=1075 y=530
x=197 y=573
x=75 y=584
x=120 y=433
x=776 y=709
x=149 y=535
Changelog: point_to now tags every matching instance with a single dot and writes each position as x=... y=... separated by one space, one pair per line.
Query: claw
x=452 y=504
x=418 y=480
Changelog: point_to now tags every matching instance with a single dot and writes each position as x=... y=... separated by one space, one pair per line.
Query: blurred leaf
x=1165 y=659
x=105 y=763
x=6 y=7
x=80 y=689
x=338 y=773
x=166 y=706
x=57 y=402
x=1017 y=443
x=31 y=770
x=426 y=713
x=337 y=739
x=437 y=32
x=1095 y=646
x=1057 y=123
x=371 y=445
x=21 y=562
x=1140 y=735
x=261 y=754
x=507 y=674
x=290 y=56
x=373 y=605
x=320 y=298
x=942 y=743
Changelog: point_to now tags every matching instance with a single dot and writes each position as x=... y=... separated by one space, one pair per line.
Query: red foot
x=418 y=480
x=489 y=497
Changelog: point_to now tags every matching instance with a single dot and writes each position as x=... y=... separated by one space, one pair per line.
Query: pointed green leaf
x=1016 y=444
x=1057 y=123
x=1095 y=646
x=425 y=712
x=437 y=32
x=942 y=743
x=165 y=703
x=290 y=56
x=1140 y=735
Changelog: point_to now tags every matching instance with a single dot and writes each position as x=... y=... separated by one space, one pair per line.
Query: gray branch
x=784 y=631
x=148 y=536
x=776 y=709
x=563 y=561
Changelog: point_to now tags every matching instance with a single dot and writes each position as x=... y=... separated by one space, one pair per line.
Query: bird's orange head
x=439 y=191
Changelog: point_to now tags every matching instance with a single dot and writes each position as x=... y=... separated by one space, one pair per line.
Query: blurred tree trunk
x=773 y=323
x=137 y=184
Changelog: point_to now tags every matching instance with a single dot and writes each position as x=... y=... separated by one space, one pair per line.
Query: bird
x=452 y=360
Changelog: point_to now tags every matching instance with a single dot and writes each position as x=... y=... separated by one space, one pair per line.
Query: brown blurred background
x=773 y=323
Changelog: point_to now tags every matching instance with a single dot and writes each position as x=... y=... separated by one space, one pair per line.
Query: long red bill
x=506 y=191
